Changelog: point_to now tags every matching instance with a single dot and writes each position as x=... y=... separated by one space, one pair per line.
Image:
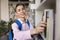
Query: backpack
x=10 y=36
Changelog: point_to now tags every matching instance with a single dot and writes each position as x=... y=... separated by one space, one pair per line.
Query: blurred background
x=35 y=9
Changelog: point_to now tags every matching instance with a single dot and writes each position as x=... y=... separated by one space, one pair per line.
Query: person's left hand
x=40 y=26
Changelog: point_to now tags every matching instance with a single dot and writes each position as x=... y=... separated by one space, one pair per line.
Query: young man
x=26 y=31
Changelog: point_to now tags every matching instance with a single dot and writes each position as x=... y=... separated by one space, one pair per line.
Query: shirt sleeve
x=20 y=34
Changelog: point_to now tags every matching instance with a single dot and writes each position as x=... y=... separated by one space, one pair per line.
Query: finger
x=42 y=25
x=40 y=28
x=41 y=31
x=42 y=22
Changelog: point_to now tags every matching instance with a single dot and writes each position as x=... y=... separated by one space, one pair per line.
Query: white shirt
x=24 y=34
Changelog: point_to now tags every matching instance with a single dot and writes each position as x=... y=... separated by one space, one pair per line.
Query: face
x=20 y=11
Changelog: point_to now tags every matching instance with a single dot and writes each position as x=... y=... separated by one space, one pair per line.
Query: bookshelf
x=49 y=6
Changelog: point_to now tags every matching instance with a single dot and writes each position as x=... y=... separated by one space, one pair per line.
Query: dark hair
x=19 y=5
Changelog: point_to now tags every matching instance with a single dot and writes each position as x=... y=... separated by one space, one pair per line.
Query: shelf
x=47 y=4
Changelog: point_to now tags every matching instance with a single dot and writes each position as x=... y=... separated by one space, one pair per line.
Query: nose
x=21 y=10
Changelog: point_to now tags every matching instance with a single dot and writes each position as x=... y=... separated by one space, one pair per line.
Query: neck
x=22 y=19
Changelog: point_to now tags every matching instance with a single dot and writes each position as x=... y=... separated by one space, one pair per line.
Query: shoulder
x=14 y=24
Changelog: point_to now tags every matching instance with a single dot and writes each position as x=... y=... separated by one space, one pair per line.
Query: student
x=26 y=31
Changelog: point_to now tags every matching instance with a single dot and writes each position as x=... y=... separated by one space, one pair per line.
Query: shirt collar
x=21 y=21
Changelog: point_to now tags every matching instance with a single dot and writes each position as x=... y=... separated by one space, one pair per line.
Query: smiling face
x=20 y=11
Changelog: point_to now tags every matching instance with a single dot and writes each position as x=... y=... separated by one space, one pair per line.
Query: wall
x=4 y=10
x=0 y=9
x=57 y=20
x=38 y=16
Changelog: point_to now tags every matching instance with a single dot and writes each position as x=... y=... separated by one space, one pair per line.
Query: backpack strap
x=28 y=23
x=10 y=36
x=20 y=25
